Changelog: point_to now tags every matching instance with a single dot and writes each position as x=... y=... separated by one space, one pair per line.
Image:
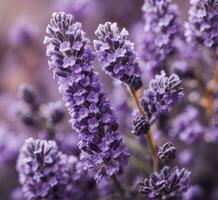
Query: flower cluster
x=90 y=109
x=117 y=54
x=163 y=93
x=46 y=173
x=202 y=26
x=38 y=167
x=168 y=184
x=162 y=27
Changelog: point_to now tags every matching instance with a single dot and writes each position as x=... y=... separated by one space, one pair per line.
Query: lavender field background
x=183 y=121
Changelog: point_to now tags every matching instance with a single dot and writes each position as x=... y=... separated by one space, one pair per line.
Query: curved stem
x=149 y=134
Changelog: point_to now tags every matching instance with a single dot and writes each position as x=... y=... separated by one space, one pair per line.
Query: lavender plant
x=90 y=109
x=172 y=81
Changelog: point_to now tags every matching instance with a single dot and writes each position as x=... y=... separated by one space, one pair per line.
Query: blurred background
x=22 y=59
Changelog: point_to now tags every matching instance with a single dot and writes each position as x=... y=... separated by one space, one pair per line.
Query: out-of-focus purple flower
x=10 y=144
x=47 y=173
x=76 y=7
x=73 y=181
x=38 y=167
x=22 y=33
x=167 y=152
x=194 y=193
x=27 y=93
x=17 y=194
x=168 y=184
x=202 y=26
x=162 y=27
x=55 y=112
x=90 y=109
x=141 y=125
x=185 y=157
x=117 y=54
x=186 y=126
x=163 y=93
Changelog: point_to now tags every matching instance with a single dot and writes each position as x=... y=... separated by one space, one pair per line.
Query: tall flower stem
x=149 y=134
x=117 y=185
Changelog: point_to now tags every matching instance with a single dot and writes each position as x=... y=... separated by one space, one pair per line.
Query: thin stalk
x=208 y=91
x=149 y=134
x=117 y=185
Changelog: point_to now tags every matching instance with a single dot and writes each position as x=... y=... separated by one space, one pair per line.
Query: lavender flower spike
x=202 y=26
x=89 y=107
x=162 y=27
x=47 y=173
x=117 y=54
x=163 y=93
x=168 y=184
x=38 y=168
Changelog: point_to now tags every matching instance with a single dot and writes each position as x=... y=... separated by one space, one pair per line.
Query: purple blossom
x=168 y=184
x=89 y=107
x=167 y=152
x=202 y=26
x=162 y=27
x=163 y=93
x=38 y=167
x=117 y=54
x=186 y=126
x=47 y=173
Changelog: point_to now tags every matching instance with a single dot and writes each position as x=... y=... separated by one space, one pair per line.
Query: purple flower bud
x=89 y=107
x=168 y=184
x=55 y=112
x=117 y=54
x=140 y=125
x=163 y=93
x=27 y=94
x=167 y=152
